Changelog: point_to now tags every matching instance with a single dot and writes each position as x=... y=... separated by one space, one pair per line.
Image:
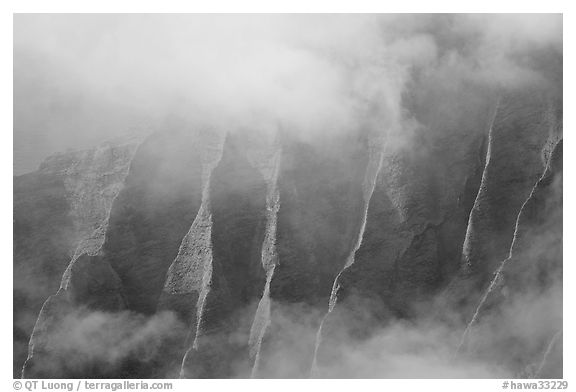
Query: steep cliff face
x=158 y=202
x=434 y=219
x=525 y=129
x=238 y=207
x=244 y=254
x=321 y=201
x=526 y=289
x=60 y=211
x=43 y=243
x=522 y=124
x=416 y=219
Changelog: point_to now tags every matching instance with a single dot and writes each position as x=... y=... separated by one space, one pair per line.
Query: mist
x=82 y=79
x=106 y=342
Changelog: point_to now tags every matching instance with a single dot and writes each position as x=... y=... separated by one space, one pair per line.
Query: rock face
x=209 y=254
x=415 y=222
x=527 y=285
x=419 y=237
x=316 y=225
x=238 y=205
x=60 y=212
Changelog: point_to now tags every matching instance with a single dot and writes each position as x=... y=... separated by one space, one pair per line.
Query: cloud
x=103 y=342
x=81 y=77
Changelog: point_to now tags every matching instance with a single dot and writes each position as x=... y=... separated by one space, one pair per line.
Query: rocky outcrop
x=320 y=191
x=77 y=190
x=523 y=122
x=222 y=262
x=238 y=207
x=158 y=202
x=416 y=219
x=267 y=160
x=526 y=287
